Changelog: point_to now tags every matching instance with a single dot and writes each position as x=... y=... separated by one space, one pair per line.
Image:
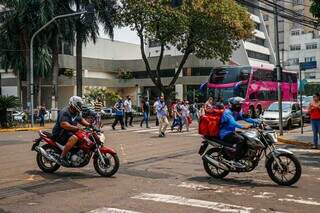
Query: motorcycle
x=90 y=145
x=281 y=164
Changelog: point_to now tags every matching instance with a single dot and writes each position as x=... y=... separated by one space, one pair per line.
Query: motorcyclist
x=66 y=126
x=229 y=124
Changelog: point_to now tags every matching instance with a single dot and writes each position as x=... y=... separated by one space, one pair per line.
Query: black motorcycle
x=281 y=164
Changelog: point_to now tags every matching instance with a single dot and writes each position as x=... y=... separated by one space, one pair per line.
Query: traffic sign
x=308 y=65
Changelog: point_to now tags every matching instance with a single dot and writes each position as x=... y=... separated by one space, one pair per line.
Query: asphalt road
x=156 y=175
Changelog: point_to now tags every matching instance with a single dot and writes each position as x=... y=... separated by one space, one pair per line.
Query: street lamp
x=89 y=10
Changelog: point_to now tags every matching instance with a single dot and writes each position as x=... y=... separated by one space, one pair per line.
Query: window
x=258 y=41
x=311 y=46
x=266 y=17
x=297 y=2
x=154 y=43
x=264 y=95
x=310 y=59
x=295 y=47
x=293 y=61
x=295 y=32
x=263 y=75
x=257 y=55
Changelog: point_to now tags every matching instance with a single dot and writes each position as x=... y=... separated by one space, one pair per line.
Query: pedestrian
x=119 y=108
x=41 y=113
x=98 y=105
x=128 y=111
x=162 y=113
x=194 y=111
x=177 y=116
x=209 y=105
x=185 y=113
x=155 y=110
x=314 y=110
x=145 y=107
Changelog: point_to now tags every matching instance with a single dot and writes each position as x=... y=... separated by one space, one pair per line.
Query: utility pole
x=278 y=66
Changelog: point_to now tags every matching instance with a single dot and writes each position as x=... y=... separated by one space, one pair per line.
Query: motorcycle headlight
x=273 y=137
x=102 y=138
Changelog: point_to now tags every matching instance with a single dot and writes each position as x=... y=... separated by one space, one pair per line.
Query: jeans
x=316 y=131
x=145 y=118
x=177 y=122
x=41 y=120
x=239 y=141
x=118 y=118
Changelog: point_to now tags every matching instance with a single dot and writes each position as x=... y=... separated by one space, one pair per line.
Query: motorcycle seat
x=217 y=140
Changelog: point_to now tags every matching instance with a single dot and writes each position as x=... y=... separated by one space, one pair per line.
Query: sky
x=123 y=34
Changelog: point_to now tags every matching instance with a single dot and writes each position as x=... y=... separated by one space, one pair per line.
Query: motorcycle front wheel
x=290 y=172
x=110 y=167
x=212 y=170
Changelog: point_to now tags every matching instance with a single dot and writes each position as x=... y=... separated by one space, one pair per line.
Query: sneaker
x=123 y=128
x=315 y=147
x=163 y=134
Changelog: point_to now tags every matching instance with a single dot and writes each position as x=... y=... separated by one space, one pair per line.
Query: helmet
x=235 y=103
x=76 y=102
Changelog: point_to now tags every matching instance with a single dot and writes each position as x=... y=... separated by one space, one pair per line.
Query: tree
x=105 y=14
x=107 y=96
x=204 y=28
x=7 y=102
x=315 y=8
x=16 y=28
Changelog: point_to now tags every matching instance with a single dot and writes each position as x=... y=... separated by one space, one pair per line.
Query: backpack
x=209 y=125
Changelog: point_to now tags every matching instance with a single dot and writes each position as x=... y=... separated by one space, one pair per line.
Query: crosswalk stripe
x=216 y=206
x=111 y=210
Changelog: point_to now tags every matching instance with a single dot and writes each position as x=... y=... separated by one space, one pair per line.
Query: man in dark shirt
x=66 y=126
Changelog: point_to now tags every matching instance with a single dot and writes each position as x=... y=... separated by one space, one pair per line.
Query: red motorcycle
x=90 y=144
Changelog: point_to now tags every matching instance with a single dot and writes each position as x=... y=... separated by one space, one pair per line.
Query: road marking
x=301 y=201
x=265 y=195
x=216 y=206
x=31 y=177
x=125 y=160
x=304 y=150
x=111 y=210
x=193 y=186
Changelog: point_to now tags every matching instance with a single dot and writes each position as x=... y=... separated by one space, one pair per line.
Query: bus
x=257 y=85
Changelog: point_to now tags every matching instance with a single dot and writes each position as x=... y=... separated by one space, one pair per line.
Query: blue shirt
x=161 y=109
x=229 y=122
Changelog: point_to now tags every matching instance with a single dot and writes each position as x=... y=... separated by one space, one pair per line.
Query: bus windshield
x=229 y=75
x=223 y=94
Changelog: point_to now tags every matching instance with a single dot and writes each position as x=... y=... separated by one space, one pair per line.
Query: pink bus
x=257 y=85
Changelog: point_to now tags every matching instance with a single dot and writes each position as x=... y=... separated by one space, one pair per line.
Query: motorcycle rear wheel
x=285 y=160
x=44 y=164
x=106 y=170
x=211 y=170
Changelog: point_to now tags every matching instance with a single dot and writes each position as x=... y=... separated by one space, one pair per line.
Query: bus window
x=229 y=75
x=266 y=95
x=252 y=96
x=263 y=75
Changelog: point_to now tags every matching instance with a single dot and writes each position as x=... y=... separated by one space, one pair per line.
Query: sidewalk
x=294 y=137
x=35 y=128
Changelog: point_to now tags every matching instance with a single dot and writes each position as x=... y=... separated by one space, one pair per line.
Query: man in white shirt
x=128 y=111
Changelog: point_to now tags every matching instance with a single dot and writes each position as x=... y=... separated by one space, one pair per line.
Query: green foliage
x=205 y=28
x=315 y=8
x=107 y=96
x=311 y=89
x=7 y=102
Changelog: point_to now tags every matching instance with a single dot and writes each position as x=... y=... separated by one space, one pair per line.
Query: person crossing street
x=162 y=113
x=128 y=111
x=119 y=114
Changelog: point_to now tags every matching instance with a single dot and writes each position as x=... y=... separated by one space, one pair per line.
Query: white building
x=304 y=47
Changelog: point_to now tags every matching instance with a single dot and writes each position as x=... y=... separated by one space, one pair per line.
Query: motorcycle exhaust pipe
x=214 y=162
x=45 y=154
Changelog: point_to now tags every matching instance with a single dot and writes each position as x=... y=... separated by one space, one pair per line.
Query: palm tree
x=16 y=29
x=7 y=102
x=105 y=14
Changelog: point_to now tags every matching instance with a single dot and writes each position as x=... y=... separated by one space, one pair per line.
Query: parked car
x=290 y=114
x=108 y=112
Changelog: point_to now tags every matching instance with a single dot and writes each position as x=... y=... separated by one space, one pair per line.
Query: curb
x=293 y=142
x=22 y=129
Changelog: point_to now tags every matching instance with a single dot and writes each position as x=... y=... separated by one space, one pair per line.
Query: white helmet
x=76 y=102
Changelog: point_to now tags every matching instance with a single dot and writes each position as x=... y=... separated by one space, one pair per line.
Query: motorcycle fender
x=277 y=152
x=105 y=150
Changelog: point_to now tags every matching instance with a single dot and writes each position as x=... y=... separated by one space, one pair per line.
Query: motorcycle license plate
x=203 y=148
